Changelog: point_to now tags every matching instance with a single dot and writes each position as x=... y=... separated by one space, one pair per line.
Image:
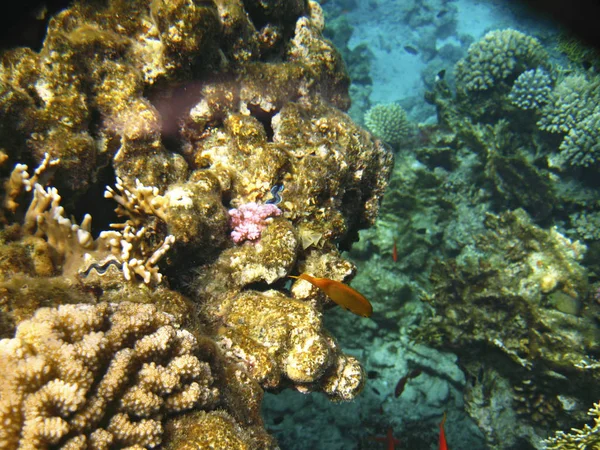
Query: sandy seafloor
x=311 y=421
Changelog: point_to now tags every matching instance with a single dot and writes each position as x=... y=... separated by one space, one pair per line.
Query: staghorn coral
x=388 y=122
x=531 y=89
x=497 y=57
x=90 y=376
x=584 y=438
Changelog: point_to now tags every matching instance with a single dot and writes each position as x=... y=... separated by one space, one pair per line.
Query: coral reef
x=172 y=113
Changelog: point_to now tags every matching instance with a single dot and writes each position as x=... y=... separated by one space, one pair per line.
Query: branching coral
x=83 y=376
x=586 y=438
x=531 y=89
x=75 y=250
x=573 y=109
x=572 y=100
x=581 y=146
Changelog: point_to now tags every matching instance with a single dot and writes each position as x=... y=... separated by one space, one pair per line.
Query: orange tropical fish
x=395 y=252
x=342 y=294
x=443 y=445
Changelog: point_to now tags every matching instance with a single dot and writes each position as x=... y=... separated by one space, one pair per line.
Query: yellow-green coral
x=387 y=122
x=576 y=50
x=586 y=438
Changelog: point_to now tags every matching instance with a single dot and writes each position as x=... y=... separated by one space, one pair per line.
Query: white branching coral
x=98 y=376
x=138 y=201
x=76 y=251
x=20 y=181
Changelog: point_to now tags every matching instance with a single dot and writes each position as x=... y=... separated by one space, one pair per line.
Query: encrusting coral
x=93 y=376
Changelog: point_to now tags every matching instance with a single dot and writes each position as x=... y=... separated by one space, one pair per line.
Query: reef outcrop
x=173 y=114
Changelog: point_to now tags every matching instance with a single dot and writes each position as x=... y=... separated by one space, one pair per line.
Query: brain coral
x=499 y=55
x=388 y=122
x=97 y=376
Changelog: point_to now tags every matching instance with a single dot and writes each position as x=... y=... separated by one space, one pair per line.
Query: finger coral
x=497 y=56
x=94 y=376
x=531 y=89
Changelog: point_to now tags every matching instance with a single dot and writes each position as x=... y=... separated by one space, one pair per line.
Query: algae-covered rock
x=515 y=305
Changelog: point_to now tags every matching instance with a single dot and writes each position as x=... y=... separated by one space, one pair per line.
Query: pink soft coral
x=249 y=220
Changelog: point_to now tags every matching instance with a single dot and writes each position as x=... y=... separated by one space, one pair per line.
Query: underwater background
x=173 y=170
